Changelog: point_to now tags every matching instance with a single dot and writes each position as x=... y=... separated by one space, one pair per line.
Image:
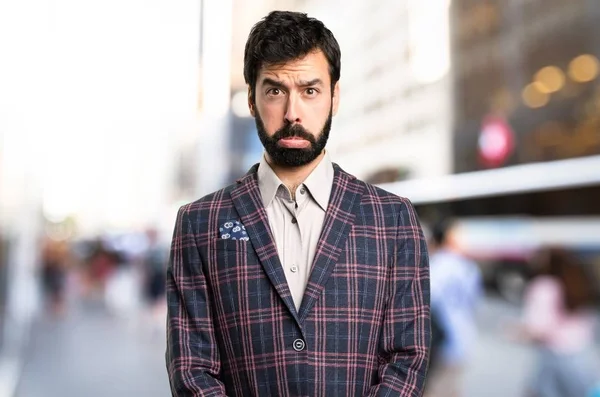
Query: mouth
x=293 y=142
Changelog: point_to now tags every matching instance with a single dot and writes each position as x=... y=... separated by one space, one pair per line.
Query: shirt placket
x=293 y=257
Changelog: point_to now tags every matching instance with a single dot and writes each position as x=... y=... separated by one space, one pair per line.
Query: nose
x=292 y=114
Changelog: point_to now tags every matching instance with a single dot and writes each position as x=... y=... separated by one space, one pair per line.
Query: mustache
x=293 y=131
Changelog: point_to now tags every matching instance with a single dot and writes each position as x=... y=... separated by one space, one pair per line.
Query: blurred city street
x=93 y=354
x=500 y=367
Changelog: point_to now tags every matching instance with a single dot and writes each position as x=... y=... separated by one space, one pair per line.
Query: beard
x=287 y=157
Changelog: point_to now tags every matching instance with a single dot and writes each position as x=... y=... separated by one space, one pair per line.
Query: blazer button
x=299 y=345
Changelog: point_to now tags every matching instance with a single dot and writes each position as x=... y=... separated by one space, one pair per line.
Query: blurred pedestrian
x=54 y=275
x=456 y=289
x=154 y=267
x=558 y=320
x=299 y=279
x=101 y=265
x=438 y=336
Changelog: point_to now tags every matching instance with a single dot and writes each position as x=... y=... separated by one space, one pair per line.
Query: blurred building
x=526 y=122
x=526 y=81
x=526 y=94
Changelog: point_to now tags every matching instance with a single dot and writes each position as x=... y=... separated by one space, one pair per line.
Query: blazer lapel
x=345 y=199
x=248 y=203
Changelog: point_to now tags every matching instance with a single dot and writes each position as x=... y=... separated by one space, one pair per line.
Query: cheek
x=319 y=116
x=272 y=117
x=320 y=107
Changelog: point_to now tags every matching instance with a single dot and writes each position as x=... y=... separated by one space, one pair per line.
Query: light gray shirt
x=296 y=224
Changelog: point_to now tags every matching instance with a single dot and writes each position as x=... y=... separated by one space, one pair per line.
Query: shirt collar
x=319 y=183
x=268 y=182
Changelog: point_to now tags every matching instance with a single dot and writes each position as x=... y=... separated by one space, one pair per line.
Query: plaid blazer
x=363 y=328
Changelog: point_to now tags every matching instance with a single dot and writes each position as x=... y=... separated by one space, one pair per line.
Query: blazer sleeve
x=406 y=335
x=192 y=356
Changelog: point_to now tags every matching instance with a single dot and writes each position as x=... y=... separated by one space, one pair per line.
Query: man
x=456 y=288
x=299 y=279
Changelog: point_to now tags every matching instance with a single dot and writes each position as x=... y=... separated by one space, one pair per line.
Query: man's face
x=293 y=109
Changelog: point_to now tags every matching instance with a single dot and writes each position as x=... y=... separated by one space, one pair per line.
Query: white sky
x=94 y=95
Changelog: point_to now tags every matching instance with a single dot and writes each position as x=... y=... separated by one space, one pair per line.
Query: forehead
x=311 y=66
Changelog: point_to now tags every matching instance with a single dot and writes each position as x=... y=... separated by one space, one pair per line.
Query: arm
x=192 y=355
x=541 y=314
x=406 y=330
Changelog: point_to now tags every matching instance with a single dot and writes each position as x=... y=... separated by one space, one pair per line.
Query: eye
x=273 y=91
x=311 y=91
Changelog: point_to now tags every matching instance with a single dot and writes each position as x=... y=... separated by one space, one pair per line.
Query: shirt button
x=302 y=190
x=294 y=269
x=294 y=220
x=299 y=345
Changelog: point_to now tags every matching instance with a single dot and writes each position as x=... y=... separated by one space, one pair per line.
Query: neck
x=292 y=177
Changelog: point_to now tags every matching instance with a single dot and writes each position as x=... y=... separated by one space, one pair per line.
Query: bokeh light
x=535 y=95
x=584 y=68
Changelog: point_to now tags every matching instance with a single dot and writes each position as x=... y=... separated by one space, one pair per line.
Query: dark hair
x=565 y=267
x=283 y=36
x=440 y=229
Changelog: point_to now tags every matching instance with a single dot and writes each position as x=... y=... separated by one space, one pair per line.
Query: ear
x=251 y=104
x=336 y=98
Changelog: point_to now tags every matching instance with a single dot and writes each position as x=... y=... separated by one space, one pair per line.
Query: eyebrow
x=302 y=83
